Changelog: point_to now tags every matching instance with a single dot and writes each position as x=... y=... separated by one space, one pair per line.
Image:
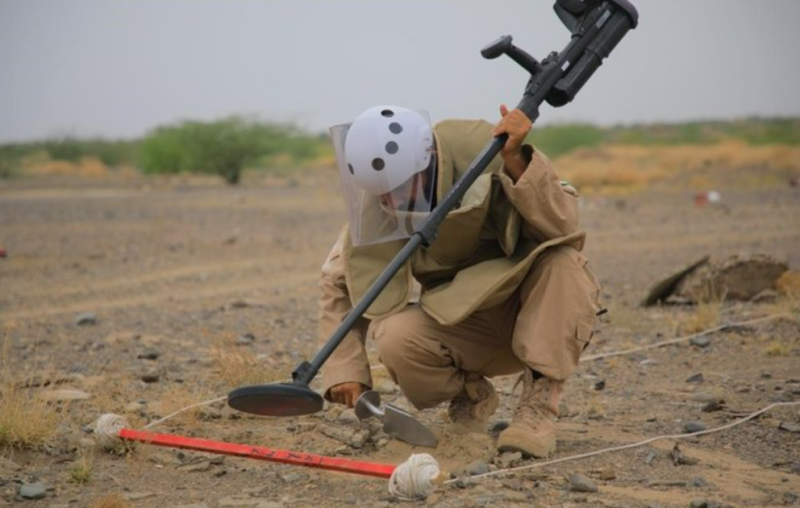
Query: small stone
x=151 y=376
x=698 y=503
x=599 y=385
x=790 y=427
x=33 y=491
x=462 y=482
x=713 y=406
x=790 y=499
x=354 y=437
x=696 y=378
x=692 y=427
x=667 y=483
x=705 y=397
x=796 y=468
x=135 y=406
x=148 y=354
x=245 y=340
x=86 y=319
x=138 y=496
x=701 y=342
x=64 y=395
x=699 y=481
x=650 y=458
x=199 y=467
x=581 y=483
x=477 y=467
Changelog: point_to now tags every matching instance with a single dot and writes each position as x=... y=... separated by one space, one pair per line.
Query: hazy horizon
x=89 y=68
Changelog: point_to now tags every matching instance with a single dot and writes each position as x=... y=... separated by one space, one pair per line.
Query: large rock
x=739 y=277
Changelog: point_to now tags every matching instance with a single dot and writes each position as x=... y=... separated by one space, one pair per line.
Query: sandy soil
x=184 y=268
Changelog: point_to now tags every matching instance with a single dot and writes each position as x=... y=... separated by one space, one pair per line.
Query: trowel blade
x=405 y=427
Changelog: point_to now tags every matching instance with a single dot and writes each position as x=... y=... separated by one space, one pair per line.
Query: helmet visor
x=385 y=207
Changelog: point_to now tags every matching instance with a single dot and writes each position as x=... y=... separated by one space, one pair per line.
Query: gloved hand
x=517 y=125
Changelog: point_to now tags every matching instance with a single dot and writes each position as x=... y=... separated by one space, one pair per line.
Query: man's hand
x=347 y=393
x=517 y=125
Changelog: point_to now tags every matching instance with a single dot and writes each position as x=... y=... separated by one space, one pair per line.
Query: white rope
x=107 y=427
x=633 y=445
x=162 y=420
x=415 y=478
x=685 y=338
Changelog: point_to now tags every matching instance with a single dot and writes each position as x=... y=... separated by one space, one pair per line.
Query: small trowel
x=396 y=422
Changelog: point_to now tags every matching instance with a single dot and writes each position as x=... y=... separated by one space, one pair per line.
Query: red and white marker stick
x=260 y=453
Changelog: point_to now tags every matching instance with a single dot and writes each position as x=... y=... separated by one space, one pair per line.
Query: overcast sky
x=117 y=68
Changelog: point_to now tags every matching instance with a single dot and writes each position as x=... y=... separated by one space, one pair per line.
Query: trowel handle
x=368 y=405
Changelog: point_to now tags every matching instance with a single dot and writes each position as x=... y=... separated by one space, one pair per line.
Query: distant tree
x=222 y=147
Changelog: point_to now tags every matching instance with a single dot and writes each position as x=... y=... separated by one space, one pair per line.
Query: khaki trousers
x=545 y=325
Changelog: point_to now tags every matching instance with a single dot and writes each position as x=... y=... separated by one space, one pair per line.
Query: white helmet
x=387 y=145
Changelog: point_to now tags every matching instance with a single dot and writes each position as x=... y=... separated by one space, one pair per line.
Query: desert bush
x=222 y=147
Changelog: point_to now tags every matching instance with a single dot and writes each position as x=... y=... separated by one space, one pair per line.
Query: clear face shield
x=387 y=171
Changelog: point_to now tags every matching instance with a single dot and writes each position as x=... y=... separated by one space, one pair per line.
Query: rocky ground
x=139 y=297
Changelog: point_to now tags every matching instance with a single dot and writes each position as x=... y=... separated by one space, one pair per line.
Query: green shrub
x=223 y=147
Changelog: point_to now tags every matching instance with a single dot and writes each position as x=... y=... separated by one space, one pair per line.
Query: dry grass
x=27 y=420
x=777 y=348
x=622 y=169
x=42 y=166
x=789 y=284
x=81 y=471
x=707 y=313
x=237 y=365
x=111 y=501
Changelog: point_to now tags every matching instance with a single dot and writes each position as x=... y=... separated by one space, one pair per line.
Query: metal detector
x=596 y=27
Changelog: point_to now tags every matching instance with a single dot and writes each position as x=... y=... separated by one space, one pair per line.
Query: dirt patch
x=190 y=283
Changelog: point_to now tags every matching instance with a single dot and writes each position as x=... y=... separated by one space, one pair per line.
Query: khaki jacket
x=483 y=250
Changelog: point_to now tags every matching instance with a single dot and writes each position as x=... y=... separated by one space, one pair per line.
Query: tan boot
x=470 y=410
x=533 y=428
